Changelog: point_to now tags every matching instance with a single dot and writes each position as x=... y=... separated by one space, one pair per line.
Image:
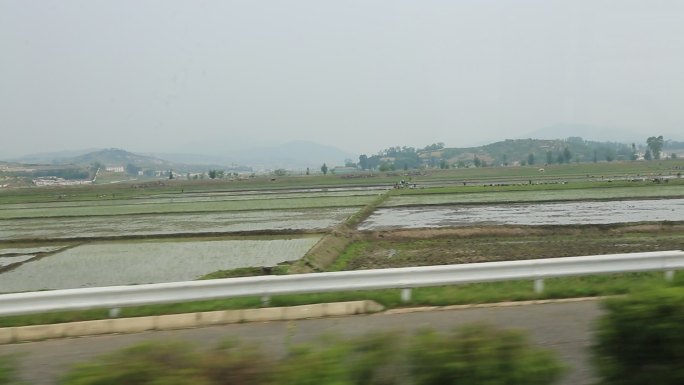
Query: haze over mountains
x=292 y=155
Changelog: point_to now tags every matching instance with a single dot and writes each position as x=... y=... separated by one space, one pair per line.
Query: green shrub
x=8 y=371
x=480 y=355
x=362 y=361
x=173 y=364
x=475 y=355
x=640 y=340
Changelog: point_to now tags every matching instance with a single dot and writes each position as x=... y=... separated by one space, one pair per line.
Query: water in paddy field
x=559 y=213
x=127 y=263
x=159 y=224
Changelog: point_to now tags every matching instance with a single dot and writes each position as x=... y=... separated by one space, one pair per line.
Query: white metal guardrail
x=402 y=278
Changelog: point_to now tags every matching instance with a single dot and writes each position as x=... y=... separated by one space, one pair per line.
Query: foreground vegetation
x=472 y=355
x=640 y=340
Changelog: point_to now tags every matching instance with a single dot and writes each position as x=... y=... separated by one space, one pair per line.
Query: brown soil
x=422 y=247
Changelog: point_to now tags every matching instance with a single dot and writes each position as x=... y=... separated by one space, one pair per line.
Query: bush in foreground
x=640 y=340
x=481 y=355
x=8 y=371
x=475 y=355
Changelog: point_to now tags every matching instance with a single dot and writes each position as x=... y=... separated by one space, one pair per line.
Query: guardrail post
x=539 y=285
x=406 y=295
x=266 y=300
x=114 y=312
x=669 y=275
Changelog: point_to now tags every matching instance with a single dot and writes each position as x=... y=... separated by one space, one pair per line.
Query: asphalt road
x=563 y=327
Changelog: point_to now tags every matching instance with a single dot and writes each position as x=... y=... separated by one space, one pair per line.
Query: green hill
x=503 y=153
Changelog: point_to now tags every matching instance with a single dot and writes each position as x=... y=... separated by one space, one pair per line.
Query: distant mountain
x=51 y=157
x=118 y=157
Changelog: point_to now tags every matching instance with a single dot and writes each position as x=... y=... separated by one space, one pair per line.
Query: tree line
x=520 y=152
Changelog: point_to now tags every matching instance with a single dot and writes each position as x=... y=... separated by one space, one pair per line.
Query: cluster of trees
x=505 y=153
x=655 y=146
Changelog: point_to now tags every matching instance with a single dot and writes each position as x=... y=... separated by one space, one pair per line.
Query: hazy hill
x=521 y=151
x=507 y=152
x=118 y=157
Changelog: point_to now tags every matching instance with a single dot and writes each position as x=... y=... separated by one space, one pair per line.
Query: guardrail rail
x=114 y=297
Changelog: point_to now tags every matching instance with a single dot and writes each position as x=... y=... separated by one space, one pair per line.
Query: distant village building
x=115 y=168
x=57 y=181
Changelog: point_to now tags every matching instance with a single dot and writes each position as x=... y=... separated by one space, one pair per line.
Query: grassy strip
x=367 y=210
x=567 y=287
x=332 y=245
x=535 y=186
x=521 y=196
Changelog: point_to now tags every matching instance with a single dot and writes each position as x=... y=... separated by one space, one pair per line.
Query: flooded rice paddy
x=536 y=196
x=560 y=213
x=126 y=263
x=162 y=224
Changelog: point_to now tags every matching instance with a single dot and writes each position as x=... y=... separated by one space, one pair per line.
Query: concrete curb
x=494 y=304
x=183 y=321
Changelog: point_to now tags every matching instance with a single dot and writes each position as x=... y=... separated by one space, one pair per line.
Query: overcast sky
x=362 y=75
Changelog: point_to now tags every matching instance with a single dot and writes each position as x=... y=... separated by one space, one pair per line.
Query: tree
x=530 y=159
x=132 y=169
x=307 y=171
x=476 y=161
x=634 y=152
x=560 y=159
x=324 y=169
x=363 y=162
x=647 y=154
x=170 y=174
x=385 y=166
x=549 y=157
x=655 y=144
x=212 y=174
x=567 y=155
x=673 y=155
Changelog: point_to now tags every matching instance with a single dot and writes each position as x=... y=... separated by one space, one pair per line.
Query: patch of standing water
x=561 y=213
x=127 y=263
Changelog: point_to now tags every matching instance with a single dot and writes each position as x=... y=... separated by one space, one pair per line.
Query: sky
x=217 y=75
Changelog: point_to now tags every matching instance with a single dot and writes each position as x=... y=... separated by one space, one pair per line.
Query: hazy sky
x=173 y=75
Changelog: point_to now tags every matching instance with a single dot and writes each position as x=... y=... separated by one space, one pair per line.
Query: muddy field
x=423 y=247
x=558 y=213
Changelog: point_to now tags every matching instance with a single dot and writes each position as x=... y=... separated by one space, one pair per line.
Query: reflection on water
x=562 y=213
